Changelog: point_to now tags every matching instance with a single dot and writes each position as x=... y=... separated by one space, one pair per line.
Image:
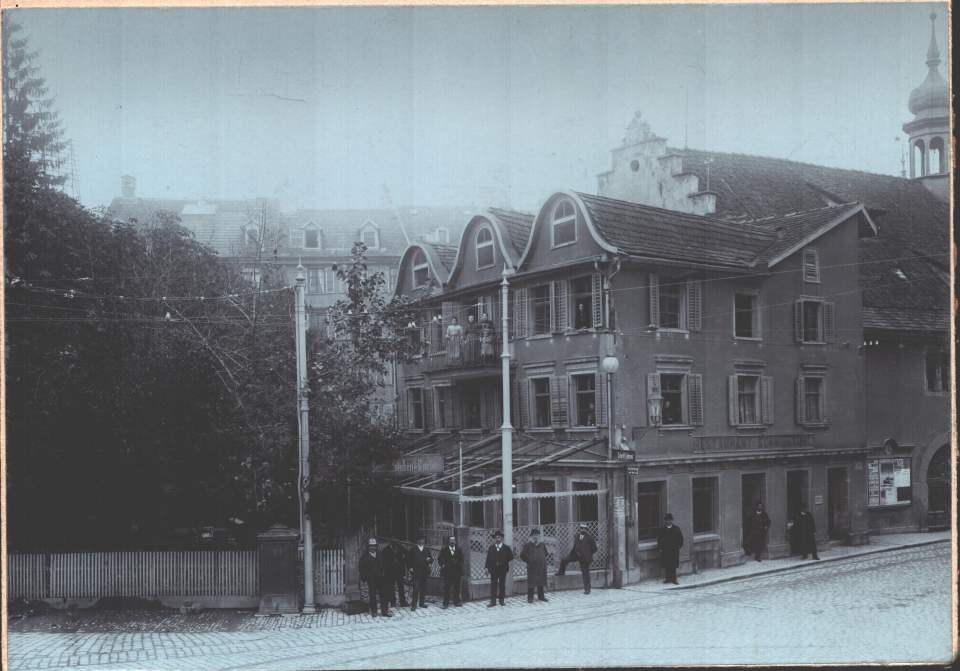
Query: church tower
x=929 y=131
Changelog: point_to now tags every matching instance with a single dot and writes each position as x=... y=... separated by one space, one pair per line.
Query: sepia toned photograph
x=454 y=337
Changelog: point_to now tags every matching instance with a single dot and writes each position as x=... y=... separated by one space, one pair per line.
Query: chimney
x=128 y=186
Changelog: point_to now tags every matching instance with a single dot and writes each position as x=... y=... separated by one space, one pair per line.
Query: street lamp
x=610 y=365
x=655 y=408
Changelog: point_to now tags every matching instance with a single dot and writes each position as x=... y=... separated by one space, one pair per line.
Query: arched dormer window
x=421 y=271
x=312 y=237
x=370 y=236
x=936 y=157
x=484 y=245
x=918 y=166
x=563 y=229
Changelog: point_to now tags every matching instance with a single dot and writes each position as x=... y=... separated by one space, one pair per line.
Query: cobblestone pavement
x=893 y=606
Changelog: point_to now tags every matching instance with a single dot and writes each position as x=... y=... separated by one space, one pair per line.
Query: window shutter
x=829 y=321
x=520 y=313
x=523 y=401
x=811 y=266
x=597 y=290
x=694 y=310
x=560 y=306
x=403 y=412
x=799 y=401
x=554 y=324
x=798 y=321
x=654 y=299
x=823 y=400
x=558 y=399
x=653 y=387
x=600 y=384
x=495 y=315
x=695 y=399
x=766 y=399
x=733 y=414
x=427 y=408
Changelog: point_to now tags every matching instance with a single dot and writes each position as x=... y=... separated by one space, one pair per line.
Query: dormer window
x=370 y=236
x=311 y=237
x=811 y=265
x=484 y=248
x=250 y=236
x=442 y=236
x=421 y=271
x=564 y=228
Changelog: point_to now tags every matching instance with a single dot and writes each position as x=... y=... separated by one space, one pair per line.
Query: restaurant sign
x=418 y=464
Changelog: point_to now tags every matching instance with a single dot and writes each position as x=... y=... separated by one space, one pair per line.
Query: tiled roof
x=518 y=226
x=899 y=319
x=446 y=253
x=791 y=229
x=893 y=278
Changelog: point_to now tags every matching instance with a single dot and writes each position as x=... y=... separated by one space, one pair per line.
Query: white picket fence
x=222 y=573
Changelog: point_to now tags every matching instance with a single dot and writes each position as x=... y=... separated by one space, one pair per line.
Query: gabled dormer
x=369 y=235
x=491 y=242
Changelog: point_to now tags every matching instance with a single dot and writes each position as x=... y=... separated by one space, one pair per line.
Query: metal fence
x=557 y=537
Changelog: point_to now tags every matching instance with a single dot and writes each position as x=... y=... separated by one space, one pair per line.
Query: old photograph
x=388 y=337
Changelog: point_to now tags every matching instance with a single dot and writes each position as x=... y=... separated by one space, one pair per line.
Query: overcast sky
x=322 y=107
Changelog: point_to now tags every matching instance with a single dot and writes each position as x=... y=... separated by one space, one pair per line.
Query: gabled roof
x=797 y=229
x=439 y=260
x=518 y=226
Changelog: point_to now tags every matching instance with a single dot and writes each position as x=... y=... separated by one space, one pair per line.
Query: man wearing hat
x=419 y=561
x=375 y=572
x=450 y=559
x=535 y=555
x=498 y=565
x=582 y=551
x=669 y=542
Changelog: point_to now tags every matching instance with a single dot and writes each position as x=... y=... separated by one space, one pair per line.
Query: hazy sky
x=323 y=106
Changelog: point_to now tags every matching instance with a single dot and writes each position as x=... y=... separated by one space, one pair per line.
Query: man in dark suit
x=582 y=552
x=450 y=559
x=806 y=532
x=419 y=561
x=669 y=542
x=374 y=572
x=393 y=557
x=498 y=565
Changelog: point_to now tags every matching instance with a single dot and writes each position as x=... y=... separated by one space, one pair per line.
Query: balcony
x=475 y=353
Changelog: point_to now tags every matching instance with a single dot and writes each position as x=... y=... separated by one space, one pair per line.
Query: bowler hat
x=372 y=541
x=668 y=517
x=583 y=525
x=498 y=534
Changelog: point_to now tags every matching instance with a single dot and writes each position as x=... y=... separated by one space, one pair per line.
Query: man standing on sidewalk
x=419 y=561
x=669 y=542
x=535 y=555
x=375 y=572
x=450 y=559
x=758 y=525
x=582 y=551
x=498 y=565
x=806 y=530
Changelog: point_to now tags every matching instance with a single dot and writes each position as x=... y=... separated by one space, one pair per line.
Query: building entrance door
x=838 y=510
x=752 y=489
x=797 y=489
x=938 y=490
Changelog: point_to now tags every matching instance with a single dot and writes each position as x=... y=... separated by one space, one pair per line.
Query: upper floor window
x=370 y=237
x=585 y=399
x=682 y=394
x=540 y=391
x=937 y=370
x=250 y=236
x=315 y=280
x=671 y=306
x=251 y=276
x=311 y=237
x=540 y=300
x=564 y=224
x=751 y=399
x=811 y=265
x=746 y=316
x=421 y=270
x=441 y=235
x=675 y=304
x=811 y=399
x=416 y=408
x=813 y=320
x=582 y=295
x=484 y=248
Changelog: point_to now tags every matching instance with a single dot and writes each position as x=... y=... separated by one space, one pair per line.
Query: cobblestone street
x=808 y=614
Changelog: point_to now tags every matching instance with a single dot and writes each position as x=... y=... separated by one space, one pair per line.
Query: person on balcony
x=471 y=340
x=669 y=542
x=454 y=339
x=535 y=555
x=487 y=336
x=582 y=552
x=498 y=565
x=450 y=559
x=419 y=561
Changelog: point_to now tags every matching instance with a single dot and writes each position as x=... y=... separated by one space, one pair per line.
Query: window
x=311 y=237
x=473 y=409
x=446 y=511
x=315 y=277
x=671 y=306
x=936 y=157
x=888 y=481
x=564 y=228
x=937 y=370
x=542 y=316
x=541 y=401
x=370 y=238
x=811 y=265
x=585 y=508
x=704 y=505
x=444 y=407
x=545 y=508
x=746 y=316
x=675 y=304
x=416 y=408
x=585 y=399
x=421 y=271
x=251 y=276
x=814 y=320
x=415 y=339
x=682 y=395
x=442 y=236
x=581 y=290
x=649 y=507
x=751 y=399
x=671 y=388
x=250 y=236
x=475 y=512
x=484 y=248
x=811 y=400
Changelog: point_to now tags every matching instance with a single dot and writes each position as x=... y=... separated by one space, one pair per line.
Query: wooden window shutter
x=829 y=321
x=801 y=415
x=495 y=315
x=523 y=401
x=694 y=309
x=732 y=397
x=600 y=385
x=653 y=387
x=403 y=412
x=560 y=307
x=811 y=266
x=520 y=313
x=558 y=399
x=554 y=326
x=798 y=320
x=823 y=400
x=427 y=408
x=766 y=399
x=695 y=399
x=654 y=299
x=597 y=291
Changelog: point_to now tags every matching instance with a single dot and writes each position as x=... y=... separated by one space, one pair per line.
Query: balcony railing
x=475 y=349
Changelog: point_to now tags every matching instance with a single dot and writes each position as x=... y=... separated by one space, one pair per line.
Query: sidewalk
x=751 y=568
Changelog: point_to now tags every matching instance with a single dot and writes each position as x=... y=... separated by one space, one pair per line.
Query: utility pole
x=306 y=526
x=506 y=435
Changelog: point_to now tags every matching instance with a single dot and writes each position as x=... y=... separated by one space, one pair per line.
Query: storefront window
x=888 y=481
x=649 y=505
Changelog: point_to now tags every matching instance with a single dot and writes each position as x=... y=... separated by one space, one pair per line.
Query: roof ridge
x=683 y=152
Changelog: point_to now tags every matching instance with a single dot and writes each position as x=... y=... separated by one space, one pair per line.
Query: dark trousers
x=670 y=573
x=584 y=569
x=398 y=583
x=418 y=591
x=809 y=547
x=451 y=586
x=540 y=594
x=378 y=592
x=498 y=586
